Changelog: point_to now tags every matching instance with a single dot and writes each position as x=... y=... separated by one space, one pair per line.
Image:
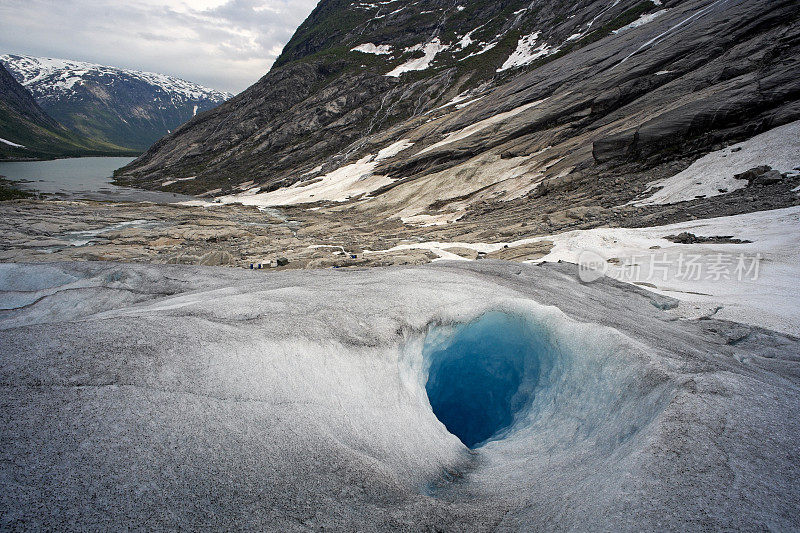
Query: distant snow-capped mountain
x=27 y=132
x=124 y=107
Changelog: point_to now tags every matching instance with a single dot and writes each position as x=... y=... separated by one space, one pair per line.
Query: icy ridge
x=41 y=75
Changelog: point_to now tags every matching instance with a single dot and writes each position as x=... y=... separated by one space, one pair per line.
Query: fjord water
x=84 y=178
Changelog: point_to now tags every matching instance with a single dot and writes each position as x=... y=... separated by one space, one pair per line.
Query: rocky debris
x=761 y=176
x=9 y=191
x=165 y=242
x=525 y=252
x=36 y=230
x=691 y=238
x=216 y=258
x=466 y=253
x=585 y=213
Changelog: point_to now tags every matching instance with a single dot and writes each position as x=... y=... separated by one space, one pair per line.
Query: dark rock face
x=761 y=176
x=27 y=132
x=122 y=107
x=686 y=77
x=16 y=97
x=691 y=238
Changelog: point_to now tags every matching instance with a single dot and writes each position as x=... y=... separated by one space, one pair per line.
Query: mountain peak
x=125 y=107
x=37 y=72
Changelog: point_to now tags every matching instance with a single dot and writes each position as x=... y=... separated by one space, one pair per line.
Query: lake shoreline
x=84 y=178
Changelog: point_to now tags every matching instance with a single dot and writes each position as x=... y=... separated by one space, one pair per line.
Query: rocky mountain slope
x=114 y=105
x=438 y=111
x=27 y=132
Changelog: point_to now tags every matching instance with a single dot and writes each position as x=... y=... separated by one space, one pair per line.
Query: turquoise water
x=85 y=178
x=482 y=375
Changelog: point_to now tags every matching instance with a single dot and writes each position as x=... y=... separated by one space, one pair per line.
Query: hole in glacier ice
x=482 y=374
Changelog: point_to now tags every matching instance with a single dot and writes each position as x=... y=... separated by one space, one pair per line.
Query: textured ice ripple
x=201 y=397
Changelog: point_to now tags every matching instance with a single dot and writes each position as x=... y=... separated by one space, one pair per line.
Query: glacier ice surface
x=167 y=397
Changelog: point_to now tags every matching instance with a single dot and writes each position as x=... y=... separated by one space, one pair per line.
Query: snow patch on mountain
x=767 y=297
x=370 y=48
x=339 y=185
x=644 y=19
x=15 y=145
x=48 y=77
x=467 y=40
x=712 y=174
x=485 y=48
x=430 y=49
x=527 y=52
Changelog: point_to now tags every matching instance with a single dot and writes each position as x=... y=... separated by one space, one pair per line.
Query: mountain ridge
x=625 y=94
x=122 y=106
x=27 y=132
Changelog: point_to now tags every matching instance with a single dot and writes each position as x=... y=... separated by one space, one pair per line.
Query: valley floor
x=740 y=267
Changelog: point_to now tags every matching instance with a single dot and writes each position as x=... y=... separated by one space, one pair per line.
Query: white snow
x=481 y=125
x=430 y=49
x=778 y=148
x=771 y=301
x=370 y=48
x=15 y=145
x=315 y=170
x=644 y=19
x=393 y=149
x=459 y=102
x=466 y=40
x=337 y=186
x=49 y=77
x=486 y=48
x=457 y=99
x=527 y=52
x=176 y=180
x=462 y=105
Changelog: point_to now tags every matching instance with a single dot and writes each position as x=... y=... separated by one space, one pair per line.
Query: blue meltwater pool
x=482 y=374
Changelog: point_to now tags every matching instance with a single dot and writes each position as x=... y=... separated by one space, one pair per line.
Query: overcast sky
x=223 y=44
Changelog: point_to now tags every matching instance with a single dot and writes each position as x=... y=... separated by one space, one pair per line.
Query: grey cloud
x=227 y=47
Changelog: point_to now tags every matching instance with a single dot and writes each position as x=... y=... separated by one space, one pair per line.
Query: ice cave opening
x=482 y=374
